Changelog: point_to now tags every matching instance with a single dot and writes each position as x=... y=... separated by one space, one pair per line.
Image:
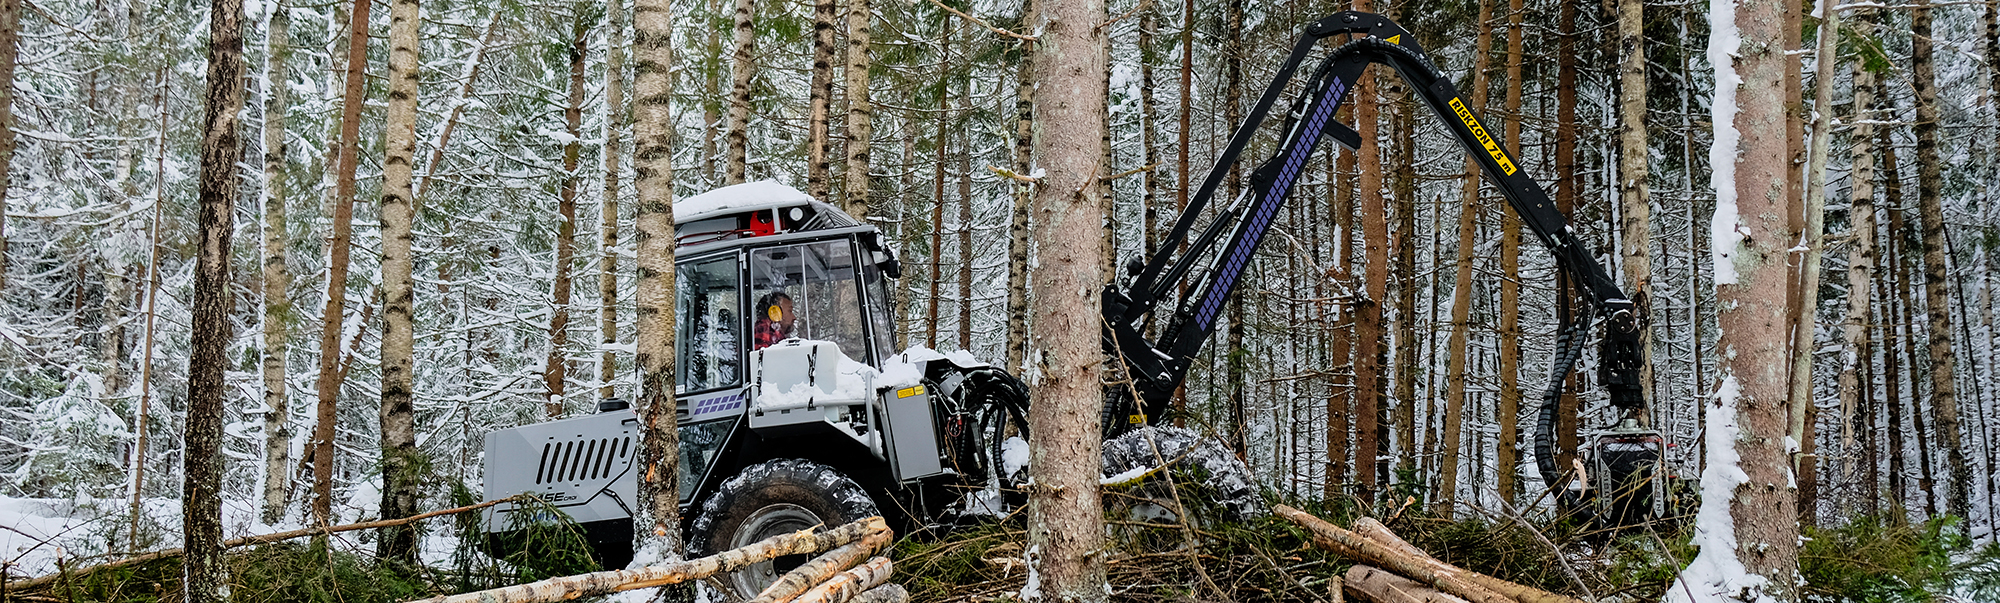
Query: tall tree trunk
x=332 y=321
x=1805 y=465
x=1860 y=262
x=1634 y=197
x=402 y=470
x=204 y=578
x=860 y=114
x=741 y=68
x=657 y=516
x=10 y=25
x=1340 y=400
x=1065 y=531
x=1461 y=291
x=1903 y=270
x=1024 y=196
x=1234 y=356
x=143 y=416
x=1565 y=193
x=819 y=99
x=1888 y=283
x=277 y=284
x=1403 y=187
x=1368 y=332
x=1181 y=161
x=1508 y=404
x=607 y=215
x=965 y=252
x=1749 y=519
x=1149 y=138
x=555 y=372
x=937 y=192
x=1944 y=364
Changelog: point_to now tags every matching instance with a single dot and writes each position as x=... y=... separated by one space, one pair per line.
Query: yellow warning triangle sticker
x=1396 y=39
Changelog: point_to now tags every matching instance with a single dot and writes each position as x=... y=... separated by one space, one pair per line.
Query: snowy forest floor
x=1258 y=559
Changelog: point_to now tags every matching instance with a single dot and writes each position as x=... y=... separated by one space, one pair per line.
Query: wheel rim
x=772 y=520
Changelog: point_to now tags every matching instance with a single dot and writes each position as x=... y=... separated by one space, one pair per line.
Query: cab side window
x=706 y=311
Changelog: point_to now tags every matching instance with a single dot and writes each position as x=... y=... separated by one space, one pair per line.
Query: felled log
x=887 y=593
x=872 y=529
x=1367 y=526
x=40 y=581
x=847 y=585
x=1472 y=586
x=1374 y=584
x=820 y=569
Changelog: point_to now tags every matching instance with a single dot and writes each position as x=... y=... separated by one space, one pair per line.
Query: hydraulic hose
x=1569 y=348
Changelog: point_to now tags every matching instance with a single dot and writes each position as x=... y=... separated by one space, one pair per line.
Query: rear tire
x=768 y=499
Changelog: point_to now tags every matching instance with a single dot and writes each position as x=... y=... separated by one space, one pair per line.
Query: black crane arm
x=1158 y=368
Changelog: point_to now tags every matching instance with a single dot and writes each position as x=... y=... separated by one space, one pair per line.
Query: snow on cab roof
x=731 y=200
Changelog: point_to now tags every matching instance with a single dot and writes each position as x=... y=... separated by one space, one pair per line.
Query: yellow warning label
x=909 y=391
x=1137 y=419
x=1396 y=39
x=1479 y=132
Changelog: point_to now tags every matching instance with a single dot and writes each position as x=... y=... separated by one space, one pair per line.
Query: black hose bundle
x=1569 y=349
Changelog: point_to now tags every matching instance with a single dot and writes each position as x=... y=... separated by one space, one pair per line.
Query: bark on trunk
x=1944 y=364
x=277 y=274
x=204 y=577
x=401 y=468
x=847 y=585
x=1888 y=284
x=1064 y=514
x=10 y=24
x=1855 y=328
x=821 y=569
x=819 y=99
x=555 y=371
x=1024 y=196
x=1381 y=586
x=1565 y=193
x=860 y=114
x=1805 y=310
x=965 y=251
x=742 y=67
x=934 y=302
x=1509 y=397
x=656 y=517
x=1634 y=197
x=607 y=215
x=1368 y=332
x=332 y=320
x=1750 y=236
x=1461 y=292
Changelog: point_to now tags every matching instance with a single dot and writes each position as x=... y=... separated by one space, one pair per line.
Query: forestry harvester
x=794 y=409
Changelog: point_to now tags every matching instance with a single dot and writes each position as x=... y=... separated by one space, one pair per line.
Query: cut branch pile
x=827 y=577
x=1395 y=571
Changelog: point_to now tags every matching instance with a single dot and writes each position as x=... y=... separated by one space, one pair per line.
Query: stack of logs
x=1391 y=570
x=839 y=575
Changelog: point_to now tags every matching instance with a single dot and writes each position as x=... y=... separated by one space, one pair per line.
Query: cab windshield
x=808 y=291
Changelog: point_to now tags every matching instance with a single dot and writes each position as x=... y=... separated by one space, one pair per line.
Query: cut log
x=1472 y=586
x=847 y=585
x=870 y=530
x=1368 y=583
x=820 y=569
x=41 y=581
x=1369 y=527
x=887 y=593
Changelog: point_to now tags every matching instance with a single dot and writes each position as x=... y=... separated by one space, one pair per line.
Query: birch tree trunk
x=820 y=97
x=656 y=517
x=742 y=67
x=607 y=216
x=1860 y=260
x=204 y=577
x=860 y=114
x=277 y=283
x=1805 y=464
x=1748 y=531
x=1065 y=531
x=1944 y=364
x=1148 y=134
x=1461 y=292
x=332 y=321
x=402 y=470
x=10 y=25
x=555 y=372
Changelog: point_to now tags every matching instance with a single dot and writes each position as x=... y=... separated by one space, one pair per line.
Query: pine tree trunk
x=1181 y=161
x=1461 y=291
x=1340 y=349
x=742 y=67
x=1149 y=138
x=1888 y=283
x=965 y=252
x=1902 y=272
x=1855 y=328
x=555 y=371
x=1944 y=364
x=277 y=283
x=1368 y=332
x=142 y=417
x=1508 y=405
x=819 y=99
x=1748 y=495
x=1403 y=185
x=1565 y=193
x=860 y=114
x=1064 y=514
x=935 y=301
x=402 y=469
x=607 y=216
x=204 y=577
x=1805 y=310
x=332 y=321
x=656 y=517
x=10 y=25
x=1232 y=114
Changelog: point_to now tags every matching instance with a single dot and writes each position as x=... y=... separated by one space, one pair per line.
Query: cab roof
x=738 y=199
